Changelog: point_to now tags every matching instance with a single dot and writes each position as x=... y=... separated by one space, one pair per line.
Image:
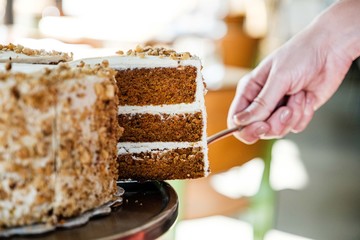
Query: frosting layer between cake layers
x=163 y=113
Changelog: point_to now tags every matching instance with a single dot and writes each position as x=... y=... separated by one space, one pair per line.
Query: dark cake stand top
x=148 y=210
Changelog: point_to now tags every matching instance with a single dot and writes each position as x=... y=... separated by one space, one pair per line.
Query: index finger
x=274 y=89
x=247 y=90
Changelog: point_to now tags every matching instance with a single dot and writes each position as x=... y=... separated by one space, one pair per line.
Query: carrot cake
x=162 y=111
x=58 y=134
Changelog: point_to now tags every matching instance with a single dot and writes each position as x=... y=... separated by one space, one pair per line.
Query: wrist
x=340 y=24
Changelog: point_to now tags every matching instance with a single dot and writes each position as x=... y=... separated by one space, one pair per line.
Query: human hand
x=306 y=71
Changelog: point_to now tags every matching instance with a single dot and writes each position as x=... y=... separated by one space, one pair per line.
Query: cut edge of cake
x=160 y=160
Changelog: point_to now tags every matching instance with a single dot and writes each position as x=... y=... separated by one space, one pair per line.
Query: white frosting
x=26 y=67
x=131 y=62
x=87 y=88
x=79 y=105
x=166 y=109
x=88 y=138
x=34 y=117
x=27 y=197
x=139 y=147
x=22 y=200
x=6 y=56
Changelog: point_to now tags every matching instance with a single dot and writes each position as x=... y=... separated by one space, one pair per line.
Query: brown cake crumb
x=181 y=163
x=161 y=127
x=156 y=86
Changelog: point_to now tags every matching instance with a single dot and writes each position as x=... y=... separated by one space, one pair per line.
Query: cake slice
x=58 y=133
x=162 y=110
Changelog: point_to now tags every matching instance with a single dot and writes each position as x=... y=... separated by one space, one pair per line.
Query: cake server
x=223 y=134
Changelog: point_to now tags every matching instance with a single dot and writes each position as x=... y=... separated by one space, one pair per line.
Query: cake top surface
x=21 y=54
x=147 y=57
x=159 y=52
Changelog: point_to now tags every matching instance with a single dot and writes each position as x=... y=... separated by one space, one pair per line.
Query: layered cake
x=61 y=145
x=20 y=54
x=162 y=111
x=58 y=134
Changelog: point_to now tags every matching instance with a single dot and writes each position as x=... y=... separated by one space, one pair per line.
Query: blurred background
x=305 y=186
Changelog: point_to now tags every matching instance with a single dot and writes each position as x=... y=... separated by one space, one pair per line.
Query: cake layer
x=147 y=127
x=157 y=86
x=180 y=163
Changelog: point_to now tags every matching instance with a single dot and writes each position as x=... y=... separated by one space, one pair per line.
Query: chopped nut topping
x=185 y=56
x=162 y=52
x=35 y=52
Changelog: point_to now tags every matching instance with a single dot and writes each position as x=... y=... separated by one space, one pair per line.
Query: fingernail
x=299 y=98
x=285 y=116
x=241 y=118
x=262 y=130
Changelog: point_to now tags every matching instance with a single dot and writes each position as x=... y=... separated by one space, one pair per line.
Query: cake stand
x=148 y=210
